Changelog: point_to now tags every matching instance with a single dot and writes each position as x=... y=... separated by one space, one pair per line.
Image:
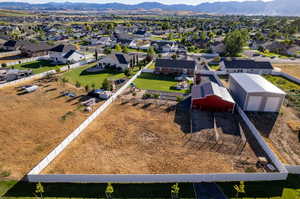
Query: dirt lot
x=291 y=69
x=281 y=139
x=140 y=139
x=31 y=125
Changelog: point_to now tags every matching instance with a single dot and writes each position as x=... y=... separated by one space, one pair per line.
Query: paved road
x=208 y=191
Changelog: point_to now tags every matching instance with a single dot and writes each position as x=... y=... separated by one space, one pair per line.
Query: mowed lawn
x=37 y=66
x=150 y=81
x=79 y=75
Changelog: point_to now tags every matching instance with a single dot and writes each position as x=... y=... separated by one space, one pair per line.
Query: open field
x=149 y=81
x=132 y=138
x=31 y=125
x=79 y=75
x=291 y=69
x=36 y=66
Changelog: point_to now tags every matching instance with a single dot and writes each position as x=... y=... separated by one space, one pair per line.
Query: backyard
x=32 y=124
x=150 y=81
x=291 y=69
x=37 y=66
x=80 y=75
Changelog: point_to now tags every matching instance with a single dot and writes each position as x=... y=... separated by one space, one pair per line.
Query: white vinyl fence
x=32 y=77
x=45 y=162
x=40 y=75
x=10 y=53
x=157 y=178
x=23 y=61
x=287 y=76
x=34 y=175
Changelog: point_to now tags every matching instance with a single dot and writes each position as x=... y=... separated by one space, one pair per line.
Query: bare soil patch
x=291 y=69
x=31 y=125
x=131 y=138
x=281 y=138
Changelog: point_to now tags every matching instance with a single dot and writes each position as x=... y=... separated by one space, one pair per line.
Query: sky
x=192 y=2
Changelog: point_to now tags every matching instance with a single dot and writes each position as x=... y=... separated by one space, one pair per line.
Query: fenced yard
x=37 y=66
x=32 y=124
x=80 y=75
x=150 y=81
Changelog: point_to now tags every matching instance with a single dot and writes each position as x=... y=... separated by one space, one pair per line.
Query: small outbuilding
x=254 y=93
x=209 y=96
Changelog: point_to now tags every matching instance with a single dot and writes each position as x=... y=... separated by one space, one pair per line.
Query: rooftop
x=255 y=83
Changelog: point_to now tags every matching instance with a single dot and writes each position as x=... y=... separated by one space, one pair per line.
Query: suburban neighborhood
x=148 y=102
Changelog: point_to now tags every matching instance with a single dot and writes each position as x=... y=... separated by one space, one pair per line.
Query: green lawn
x=84 y=78
x=289 y=189
x=149 y=81
x=36 y=66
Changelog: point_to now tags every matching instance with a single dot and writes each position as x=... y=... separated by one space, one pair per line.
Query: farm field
x=149 y=81
x=291 y=69
x=79 y=75
x=32 y=124
x=36 y=66
x=132 y=138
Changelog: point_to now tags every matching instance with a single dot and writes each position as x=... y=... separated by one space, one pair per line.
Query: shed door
x=272 y=104
x=254 y=103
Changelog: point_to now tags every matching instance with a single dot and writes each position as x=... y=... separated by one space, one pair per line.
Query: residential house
x=246 y=66
x=58 y=53
x=142 y=33
x=164 y=46
x=175 y=67
x=117 y=60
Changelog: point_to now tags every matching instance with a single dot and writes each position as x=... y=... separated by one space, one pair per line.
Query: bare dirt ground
x=281 y=139
x=136 y=138
x=31 y=125
x=291 y=69
x=11 y=59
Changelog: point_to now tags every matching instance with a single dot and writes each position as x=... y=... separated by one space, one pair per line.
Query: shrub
x=127 y=72
x=93 y=86
x=156 y=96
x=58 y=70
x=4 y=174
x=78 y=84
x=133 y=93
x=146 y=96
x=179 y=98
x=106 y=85
x=4 y=65
x=87 y=88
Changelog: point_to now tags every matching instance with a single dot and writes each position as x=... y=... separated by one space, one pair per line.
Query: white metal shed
x=254 y=93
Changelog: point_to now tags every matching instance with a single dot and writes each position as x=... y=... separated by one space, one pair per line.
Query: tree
x=39 y=189
x=234 y=42
x=96 y=54
x=109 y=190
x=106 y=85
x=150 y=53
x=125 y=49
x=118 y=48
x=175 y=191
x=107 y=50
x=127 y=72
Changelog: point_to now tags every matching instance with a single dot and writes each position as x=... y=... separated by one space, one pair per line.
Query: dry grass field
x=279 y=136
x=291 y=69
x=139 y=139
x=31 y=125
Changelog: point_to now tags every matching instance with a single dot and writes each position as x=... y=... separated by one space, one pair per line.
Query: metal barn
x=254 y=93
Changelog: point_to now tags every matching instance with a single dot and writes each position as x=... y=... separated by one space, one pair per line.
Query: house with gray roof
x=246 y=66
x=175 y=67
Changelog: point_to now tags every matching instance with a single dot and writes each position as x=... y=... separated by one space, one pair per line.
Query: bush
x=156 y=96
x=58 y=70
x=133 y=93
x=179 y=99
x=4 y=174
x=146 y=96
x=4 y=65
x=87 y=88
x=127 y=72
x=106 y=85
x=78 y=84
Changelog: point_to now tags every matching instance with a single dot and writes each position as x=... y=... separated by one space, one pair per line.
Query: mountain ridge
x=275 y=7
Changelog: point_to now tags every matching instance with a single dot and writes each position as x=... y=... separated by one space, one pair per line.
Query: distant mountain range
x=275 y=7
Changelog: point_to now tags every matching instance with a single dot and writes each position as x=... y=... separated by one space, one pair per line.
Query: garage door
x=254 y=103
x=272 y=104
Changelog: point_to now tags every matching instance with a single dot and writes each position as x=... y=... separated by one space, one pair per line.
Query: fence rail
x=157 y=178
x=10 y=53
x=50 y=157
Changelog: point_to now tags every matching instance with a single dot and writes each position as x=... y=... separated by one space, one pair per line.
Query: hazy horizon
x=190 y=2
